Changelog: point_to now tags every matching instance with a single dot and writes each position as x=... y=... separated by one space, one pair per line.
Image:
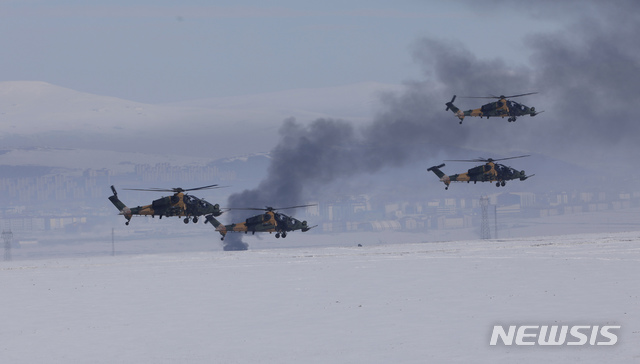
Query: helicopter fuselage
x=501 y=108
x=268 y=222
x=179 y=204
x=489 y=172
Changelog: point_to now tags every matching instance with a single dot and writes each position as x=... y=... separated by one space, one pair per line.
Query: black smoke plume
x=588 y=75
x=412 y=125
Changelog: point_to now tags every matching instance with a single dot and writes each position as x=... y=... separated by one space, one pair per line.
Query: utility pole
x=485 y=231
x=7 y=236
x=495 y=220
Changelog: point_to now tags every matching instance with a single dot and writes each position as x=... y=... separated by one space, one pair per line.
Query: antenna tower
x=7 y=236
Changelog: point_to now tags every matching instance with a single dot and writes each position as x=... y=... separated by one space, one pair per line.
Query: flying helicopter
x=270 y=221
x=489 y=172
x=501 y=108
x=180 y=204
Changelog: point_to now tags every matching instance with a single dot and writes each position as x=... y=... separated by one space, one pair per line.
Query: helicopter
x=489 y=172
x=501 y=108
x=180 y=204
x=270 y=221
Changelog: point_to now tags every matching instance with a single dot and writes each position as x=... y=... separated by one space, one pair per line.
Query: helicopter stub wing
x=305 y=229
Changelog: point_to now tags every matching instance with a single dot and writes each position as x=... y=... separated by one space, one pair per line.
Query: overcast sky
x=163 y=51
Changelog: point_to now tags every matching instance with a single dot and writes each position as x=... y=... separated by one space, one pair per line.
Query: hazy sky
x=162 y=51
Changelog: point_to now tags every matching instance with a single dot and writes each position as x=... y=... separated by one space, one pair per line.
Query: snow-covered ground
x=402 y=302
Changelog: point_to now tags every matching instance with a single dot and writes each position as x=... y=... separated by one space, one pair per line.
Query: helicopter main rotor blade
x=175 y=190
x=149 y=189
x=530 y=93
x=485 y=159
x=504 y=159
x=203 y=188
x=497 y=97
x=268 y=208
x=467 y=160
x=295 y=207
x=479 y=97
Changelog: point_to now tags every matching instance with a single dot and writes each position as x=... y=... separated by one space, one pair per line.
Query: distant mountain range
x=47 y=125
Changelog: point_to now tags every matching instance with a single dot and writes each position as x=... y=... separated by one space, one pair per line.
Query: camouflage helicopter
x=180 y=204
x=500 y=108
x=271 y=221
x=489 y=172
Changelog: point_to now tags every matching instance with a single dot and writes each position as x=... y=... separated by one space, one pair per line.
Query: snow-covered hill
x=38 y=114
x=30 y=107
x=395 y=303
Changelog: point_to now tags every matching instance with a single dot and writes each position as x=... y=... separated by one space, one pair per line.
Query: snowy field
x=380 y=303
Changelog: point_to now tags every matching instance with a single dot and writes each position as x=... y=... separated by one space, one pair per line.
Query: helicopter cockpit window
x=175 y=199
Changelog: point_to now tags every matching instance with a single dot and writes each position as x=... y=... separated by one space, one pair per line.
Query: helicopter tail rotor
x=450 y=103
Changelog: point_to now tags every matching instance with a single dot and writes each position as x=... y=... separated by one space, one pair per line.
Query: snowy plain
x=314 y=298
x=402 y=302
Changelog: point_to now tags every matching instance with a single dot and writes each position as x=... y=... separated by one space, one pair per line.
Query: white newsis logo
x=555 y=335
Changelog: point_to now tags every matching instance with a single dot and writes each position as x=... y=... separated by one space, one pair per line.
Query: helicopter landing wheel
x=503 y=183
x=284 y=235
x=195 y=220
x=497 y=184
x=127 y=223
x=186 y=220
x=277 y=235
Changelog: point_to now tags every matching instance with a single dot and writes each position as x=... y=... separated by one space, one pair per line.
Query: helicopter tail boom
x=454 y=109
x=221 y=228
x=443 y=177
x=437 y=171
x=124 y=210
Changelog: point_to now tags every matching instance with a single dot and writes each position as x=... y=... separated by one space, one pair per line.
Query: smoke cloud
x=588 y=76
